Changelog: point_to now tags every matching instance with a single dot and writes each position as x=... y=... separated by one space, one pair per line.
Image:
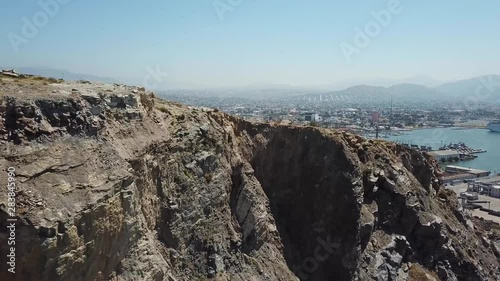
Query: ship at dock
x=494 y=126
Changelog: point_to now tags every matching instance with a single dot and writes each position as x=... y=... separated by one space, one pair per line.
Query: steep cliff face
x=115 y=184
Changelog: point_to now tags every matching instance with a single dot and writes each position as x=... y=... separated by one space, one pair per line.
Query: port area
x=450 y=156
x=449 y=153
x=454 y=152
x=462 y=148
x=486 y=197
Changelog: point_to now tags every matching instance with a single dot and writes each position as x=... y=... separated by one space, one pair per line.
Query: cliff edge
x=113 y=183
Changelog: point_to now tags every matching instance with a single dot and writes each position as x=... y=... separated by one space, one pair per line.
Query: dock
x=462 y=148
x=463 y=170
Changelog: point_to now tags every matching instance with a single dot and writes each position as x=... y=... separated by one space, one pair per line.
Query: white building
x=495 y=191
x=445 y=155
x=313 y=117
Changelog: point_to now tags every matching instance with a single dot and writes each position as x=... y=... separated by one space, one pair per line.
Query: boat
x=494 y=126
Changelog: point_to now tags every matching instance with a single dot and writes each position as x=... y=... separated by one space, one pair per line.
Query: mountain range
x=482 y=88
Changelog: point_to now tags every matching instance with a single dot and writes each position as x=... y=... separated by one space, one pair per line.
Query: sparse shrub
x=46 y=80
x=418 y=273
x=208 y=177
x=163 y=109
x=367 y=172
x=442 y=194
x=148 y=102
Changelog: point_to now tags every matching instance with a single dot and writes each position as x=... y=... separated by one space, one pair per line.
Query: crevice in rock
x=312 y=210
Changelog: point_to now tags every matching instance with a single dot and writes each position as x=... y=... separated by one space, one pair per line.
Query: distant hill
x=387 y=82
x=376 y=92
x=58 y=73
x=467 y=87
x=363 y=89
x=413 y=90
x=489 y=89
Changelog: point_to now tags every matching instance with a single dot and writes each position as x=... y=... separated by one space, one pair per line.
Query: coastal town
x=357 y=113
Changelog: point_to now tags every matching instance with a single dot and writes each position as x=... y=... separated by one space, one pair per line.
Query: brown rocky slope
x=115 y=184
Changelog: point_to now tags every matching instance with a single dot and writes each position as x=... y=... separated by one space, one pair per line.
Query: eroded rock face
x=123 y=186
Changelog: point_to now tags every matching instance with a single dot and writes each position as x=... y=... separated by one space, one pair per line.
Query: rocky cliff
x=116 y=184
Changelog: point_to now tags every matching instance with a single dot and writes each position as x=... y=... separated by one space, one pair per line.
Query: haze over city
x=214 y=44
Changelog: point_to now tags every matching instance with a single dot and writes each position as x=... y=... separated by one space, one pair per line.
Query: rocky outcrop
x=114 y=184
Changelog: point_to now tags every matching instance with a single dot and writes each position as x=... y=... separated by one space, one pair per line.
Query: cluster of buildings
x=489 y=187
x=360 y=115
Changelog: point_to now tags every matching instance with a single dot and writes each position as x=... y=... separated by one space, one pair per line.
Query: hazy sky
x=242 y=42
